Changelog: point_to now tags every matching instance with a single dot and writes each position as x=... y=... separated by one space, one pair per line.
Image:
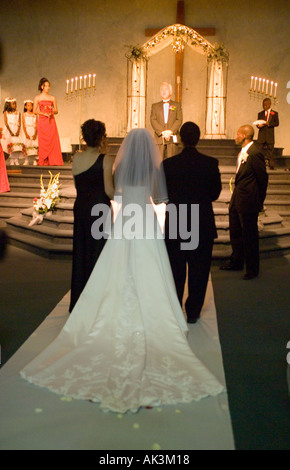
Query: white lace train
x=124 y=345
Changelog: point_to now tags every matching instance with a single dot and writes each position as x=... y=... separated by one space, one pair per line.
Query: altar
x=178 y=37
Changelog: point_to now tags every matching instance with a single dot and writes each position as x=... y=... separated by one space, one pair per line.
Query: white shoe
x=26 y=163
x=35 y=163
x=11 y=163
x=17 y=163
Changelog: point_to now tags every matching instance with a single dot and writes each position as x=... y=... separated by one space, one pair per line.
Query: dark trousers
x=244 y=236
x=198 y=263
x=268 y=152
x=3 y=243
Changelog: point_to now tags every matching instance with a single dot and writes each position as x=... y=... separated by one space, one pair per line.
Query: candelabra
x=261 y=88
x=77 y=88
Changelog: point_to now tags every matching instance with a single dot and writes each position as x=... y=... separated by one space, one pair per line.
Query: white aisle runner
x=33 y=418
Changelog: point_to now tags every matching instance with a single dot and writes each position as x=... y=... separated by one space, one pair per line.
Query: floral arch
x=179 y=36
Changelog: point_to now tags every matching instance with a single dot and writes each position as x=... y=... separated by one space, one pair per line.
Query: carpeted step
x=43 y=232
x=35 y=178
x=39 y=246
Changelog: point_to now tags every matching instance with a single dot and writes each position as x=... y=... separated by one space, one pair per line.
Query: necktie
x=166 y=111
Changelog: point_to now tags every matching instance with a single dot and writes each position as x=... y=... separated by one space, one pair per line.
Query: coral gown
x=4 y=183
x=48 y=139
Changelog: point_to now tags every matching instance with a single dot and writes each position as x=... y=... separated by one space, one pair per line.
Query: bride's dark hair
x=42 y=82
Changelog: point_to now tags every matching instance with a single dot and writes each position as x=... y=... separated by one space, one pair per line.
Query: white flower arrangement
x=47 y=201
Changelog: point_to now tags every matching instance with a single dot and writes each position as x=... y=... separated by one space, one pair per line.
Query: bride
x=124 y=345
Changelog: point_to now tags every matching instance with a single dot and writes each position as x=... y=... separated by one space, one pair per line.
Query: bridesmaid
x=45 y=107
x=92 y=171
x=4 y=183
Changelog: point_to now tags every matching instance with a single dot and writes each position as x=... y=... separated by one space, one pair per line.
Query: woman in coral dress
x=4 y=183
x=45 y=107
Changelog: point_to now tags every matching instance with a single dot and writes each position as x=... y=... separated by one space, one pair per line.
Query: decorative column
x=217 y=73
x=136 y=93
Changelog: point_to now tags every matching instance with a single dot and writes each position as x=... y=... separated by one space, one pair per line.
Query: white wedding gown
x=124 y=345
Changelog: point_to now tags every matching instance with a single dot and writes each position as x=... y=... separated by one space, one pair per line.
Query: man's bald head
x=245 y=135
x=248 y=131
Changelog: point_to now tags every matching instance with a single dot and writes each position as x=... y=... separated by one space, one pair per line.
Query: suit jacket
x=251 y=183
x=266 y=133
x=194 y=178
x=157 y=119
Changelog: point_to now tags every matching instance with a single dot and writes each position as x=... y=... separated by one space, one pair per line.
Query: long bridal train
x=124 y=345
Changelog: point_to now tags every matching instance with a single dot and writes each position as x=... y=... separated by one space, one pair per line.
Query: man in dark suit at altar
x=266 y=138
x=3 y=243
x=247 y=201
x=192 y=179
x=166 y=119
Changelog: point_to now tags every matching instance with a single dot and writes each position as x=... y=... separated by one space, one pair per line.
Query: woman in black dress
x=93 y=178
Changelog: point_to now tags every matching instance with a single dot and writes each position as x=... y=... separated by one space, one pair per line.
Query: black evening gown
x=86 y=250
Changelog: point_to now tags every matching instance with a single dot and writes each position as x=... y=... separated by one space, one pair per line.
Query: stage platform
x=53 y=238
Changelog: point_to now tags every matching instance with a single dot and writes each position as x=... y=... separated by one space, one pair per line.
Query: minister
x=166 y=119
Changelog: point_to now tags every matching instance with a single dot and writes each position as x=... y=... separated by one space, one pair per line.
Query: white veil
x=138 y=163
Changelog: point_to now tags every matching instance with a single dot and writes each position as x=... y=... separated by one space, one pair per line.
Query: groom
x=192 y=178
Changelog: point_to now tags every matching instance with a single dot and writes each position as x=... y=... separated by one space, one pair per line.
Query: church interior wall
x=67 y=38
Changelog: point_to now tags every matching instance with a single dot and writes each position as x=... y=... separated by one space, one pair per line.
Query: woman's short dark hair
x=93 y=131
x=42 y=82
x=190 y=133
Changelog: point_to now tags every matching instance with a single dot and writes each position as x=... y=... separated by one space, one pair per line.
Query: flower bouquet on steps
x=45 y=204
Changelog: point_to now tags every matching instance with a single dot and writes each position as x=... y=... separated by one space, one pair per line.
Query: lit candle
x=252 y=81
x=260 y=81
x=81 y=82
x=255 y=85
x=76 y=84
x=271 y=90
x=67 y=87
x=90 y=80
x=85 y=81
x=94 y=80
x=275 y=93
x=263 y=87
x=72 y=85
x=267 y=86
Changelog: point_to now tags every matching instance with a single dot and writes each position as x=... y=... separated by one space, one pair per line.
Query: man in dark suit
x=3 y=243
x=192 y=178
x=166 y=119
x=247 y=201
x=266 y=137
